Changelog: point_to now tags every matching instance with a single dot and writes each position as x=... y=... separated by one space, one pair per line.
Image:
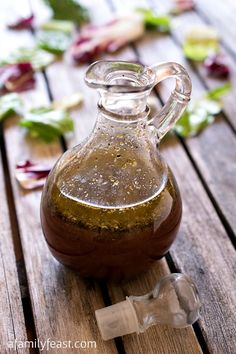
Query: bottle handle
x=178 y=100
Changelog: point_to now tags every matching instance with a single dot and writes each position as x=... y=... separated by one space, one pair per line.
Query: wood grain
x=12 y=324
x=63 y=304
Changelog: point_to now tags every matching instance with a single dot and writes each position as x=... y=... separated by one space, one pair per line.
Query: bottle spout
x=120 y=76
x=123 y=86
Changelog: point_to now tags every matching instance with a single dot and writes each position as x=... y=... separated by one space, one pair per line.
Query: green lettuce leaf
x=217 y=93
x=58 y=25
x=200 y=42
x=38 y=58
x=198 y=52
x=47 y=123
x=10 y=104
x=55 y=42
x=197 y=117
x=68 y=10
x=202 y=112
x=152 y=21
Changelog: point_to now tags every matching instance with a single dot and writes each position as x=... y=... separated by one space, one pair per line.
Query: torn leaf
x=31 y=175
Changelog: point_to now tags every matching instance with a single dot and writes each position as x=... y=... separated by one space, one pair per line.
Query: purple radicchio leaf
x=31 y=175
x=94 y=40
x=16 y=77
x=217 y=67
x=22 y=23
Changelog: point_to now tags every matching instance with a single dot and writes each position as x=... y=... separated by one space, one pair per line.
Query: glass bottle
x=111 y=206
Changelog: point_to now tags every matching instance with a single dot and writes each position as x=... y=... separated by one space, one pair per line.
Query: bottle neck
x=128 y=106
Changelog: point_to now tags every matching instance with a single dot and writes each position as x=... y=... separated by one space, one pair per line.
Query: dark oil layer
x=110 y=243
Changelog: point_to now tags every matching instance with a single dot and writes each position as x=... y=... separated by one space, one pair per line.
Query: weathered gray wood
x=12 y=324
x=202 y=248
x=204 y=251
x=63 y=304
x=222 y=15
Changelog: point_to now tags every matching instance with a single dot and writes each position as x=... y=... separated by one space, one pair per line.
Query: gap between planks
x=20 y=276
x=12 y=322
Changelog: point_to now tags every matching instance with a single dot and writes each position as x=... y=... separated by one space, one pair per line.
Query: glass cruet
x=111 y=206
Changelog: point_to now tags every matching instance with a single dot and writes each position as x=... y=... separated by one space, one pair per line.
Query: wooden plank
x=63 y=304
x=159 y=338
x=214 y=149
x=222 y=15
x=204 y=251
x=12 y=322
x=202 y=248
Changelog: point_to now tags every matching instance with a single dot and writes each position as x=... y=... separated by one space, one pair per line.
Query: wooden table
x=39 y=298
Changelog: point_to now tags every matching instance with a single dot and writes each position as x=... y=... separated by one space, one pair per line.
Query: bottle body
x=111 y=206
x=110 y=242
